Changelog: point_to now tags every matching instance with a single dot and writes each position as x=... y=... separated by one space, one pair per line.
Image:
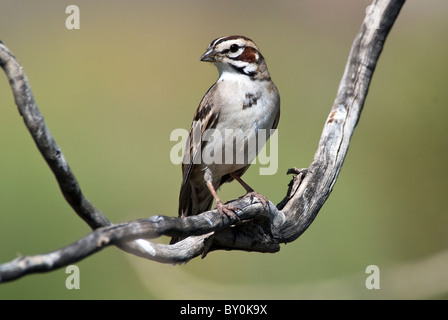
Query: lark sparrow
x=241 y=103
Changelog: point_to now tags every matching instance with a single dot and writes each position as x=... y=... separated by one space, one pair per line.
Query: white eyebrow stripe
x=216 y=41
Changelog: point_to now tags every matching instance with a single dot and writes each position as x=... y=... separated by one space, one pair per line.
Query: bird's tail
x=193 y=202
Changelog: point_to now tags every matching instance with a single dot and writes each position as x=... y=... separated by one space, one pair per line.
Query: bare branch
x=51 y=152
x=316 y=187
x=198 y=228
x=258 y=228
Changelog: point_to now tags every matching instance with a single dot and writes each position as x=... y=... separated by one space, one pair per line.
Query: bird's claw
x=259 y=196
x=227 y=210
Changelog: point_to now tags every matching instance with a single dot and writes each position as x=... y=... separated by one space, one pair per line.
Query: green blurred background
x=113 y=91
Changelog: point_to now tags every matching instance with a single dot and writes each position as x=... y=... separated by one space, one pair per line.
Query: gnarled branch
x=258 y=228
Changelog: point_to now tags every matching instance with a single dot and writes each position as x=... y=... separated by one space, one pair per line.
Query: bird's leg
x=222 y=208
x=250 y=192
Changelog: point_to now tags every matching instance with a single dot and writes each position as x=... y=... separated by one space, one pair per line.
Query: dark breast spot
x=250 y=100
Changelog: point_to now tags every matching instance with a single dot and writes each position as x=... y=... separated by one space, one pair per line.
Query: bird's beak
x=209 y=56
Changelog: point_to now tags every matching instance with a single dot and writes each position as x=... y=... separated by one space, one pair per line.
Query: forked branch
x=258 y=229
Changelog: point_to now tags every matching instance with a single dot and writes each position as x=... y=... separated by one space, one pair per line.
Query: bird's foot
x=227 y=210
x=259 y=196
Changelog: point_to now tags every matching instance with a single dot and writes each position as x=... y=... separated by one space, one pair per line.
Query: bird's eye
x=234 y=48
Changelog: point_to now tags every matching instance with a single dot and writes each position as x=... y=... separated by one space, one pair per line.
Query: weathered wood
x=312 y=188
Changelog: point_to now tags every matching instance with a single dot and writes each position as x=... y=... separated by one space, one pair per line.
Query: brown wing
x=276 y=120
x=204 y=118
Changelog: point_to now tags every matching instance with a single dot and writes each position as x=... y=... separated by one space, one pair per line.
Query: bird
x=240 y=108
